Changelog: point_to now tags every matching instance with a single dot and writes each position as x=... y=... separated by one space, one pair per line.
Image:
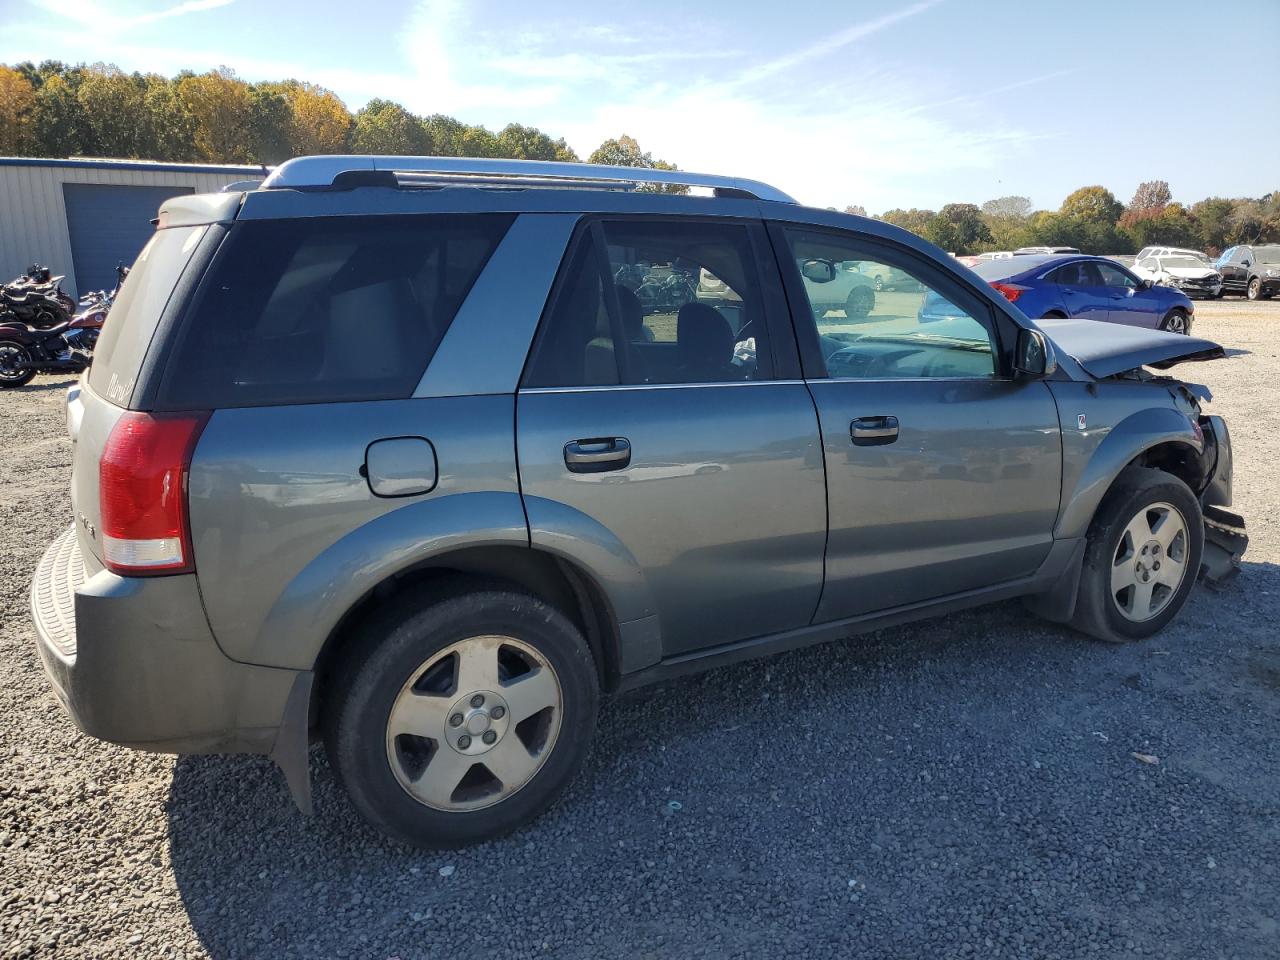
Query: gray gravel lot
x=963 y=787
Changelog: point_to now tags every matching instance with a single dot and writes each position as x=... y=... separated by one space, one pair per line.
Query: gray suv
x=382 y=453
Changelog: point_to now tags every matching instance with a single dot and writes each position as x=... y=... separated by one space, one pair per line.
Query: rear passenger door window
x=657 y=302
x=325 y=309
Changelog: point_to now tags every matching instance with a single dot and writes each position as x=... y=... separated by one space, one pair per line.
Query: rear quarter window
x=133 y=318
x=325 y=309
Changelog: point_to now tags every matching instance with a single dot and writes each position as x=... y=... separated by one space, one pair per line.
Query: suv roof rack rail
x=322 y=172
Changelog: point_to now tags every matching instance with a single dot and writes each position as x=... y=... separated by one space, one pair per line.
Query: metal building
x=82 y=217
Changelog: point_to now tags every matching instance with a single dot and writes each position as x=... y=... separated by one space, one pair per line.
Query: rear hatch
x=107 y=390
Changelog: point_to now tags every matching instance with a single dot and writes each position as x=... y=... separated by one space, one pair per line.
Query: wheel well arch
x=1175 y=457
x=552 y=579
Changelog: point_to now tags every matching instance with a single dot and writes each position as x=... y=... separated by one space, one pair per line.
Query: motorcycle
x=35 y=299
x=64 y=348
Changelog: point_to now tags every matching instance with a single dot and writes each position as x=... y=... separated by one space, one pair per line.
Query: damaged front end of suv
x=1109 y=401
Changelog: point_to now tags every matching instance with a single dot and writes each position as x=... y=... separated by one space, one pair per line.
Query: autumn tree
x=1151 y=197
x=17 y=104
x=321 y=122
x=388 y=128
x=856 y=210
x=1092 y=205
x=916 y=221
x=220 y=108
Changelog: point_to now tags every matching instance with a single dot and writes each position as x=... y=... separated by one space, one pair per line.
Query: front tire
x=1254 y=290
x=461 y=720
x=14 y=355
x=1175 y=321
x=1142 y=557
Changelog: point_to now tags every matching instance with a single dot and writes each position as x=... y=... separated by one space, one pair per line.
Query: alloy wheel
x=12 y=357
x=1150 y=562
x=474 y=723
x=1176 y=323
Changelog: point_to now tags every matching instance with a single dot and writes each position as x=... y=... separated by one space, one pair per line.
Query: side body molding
x=313 y=603
x=1112 y=437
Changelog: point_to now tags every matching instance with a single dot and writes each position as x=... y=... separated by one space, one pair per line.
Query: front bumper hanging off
x=1225 y=539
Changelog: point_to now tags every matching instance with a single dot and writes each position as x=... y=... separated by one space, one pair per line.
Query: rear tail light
x=142 y=491
x=1010 y=291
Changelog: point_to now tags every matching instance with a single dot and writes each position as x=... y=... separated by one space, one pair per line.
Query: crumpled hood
x=1191 y=273
x=1105 y=349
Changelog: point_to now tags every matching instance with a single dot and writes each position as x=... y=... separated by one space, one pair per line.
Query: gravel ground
x=961 y=787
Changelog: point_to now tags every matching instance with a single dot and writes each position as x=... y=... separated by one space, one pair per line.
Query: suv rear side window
x=123 y=345
x=318 y=310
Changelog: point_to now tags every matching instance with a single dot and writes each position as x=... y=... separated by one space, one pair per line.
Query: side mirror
x=1246 y=263
x=1033 y=356
x=818 y=271
x=1146 y=284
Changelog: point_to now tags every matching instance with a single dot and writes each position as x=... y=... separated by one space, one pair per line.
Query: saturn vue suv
x=381 y=454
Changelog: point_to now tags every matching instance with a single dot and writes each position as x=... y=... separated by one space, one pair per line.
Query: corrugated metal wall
x=33 y=215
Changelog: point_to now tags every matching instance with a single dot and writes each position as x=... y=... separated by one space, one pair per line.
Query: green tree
x=112 y=102
x=530 y=143
x=958 y=228
x=445 y=133
x=1213 y=216
x=167 y=130
x=384 y=127
x=17 y=104
x=478 y=141
x=270 y=123
x=625 y=152
x=61 y=127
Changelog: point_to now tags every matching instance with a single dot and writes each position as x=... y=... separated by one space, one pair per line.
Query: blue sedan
x=1089 y=288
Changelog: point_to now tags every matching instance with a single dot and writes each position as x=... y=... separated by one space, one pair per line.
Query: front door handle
x=597 y=454
x=873 y=431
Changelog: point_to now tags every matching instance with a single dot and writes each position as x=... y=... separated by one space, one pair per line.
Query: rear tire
x=1131 y=585
x=860 y=302
x=1176 y=321
x=13 y=355
x=426 y=732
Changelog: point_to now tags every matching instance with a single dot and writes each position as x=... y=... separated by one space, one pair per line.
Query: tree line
x=1093 y=220
x=57 y=110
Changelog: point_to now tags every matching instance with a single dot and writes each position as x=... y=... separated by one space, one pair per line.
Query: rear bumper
x=133 y=662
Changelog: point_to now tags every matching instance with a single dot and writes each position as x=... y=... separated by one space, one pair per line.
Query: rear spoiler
x=198 y=209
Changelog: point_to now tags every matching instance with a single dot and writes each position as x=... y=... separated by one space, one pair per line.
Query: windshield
x=1267 y=254
x=1168 y=262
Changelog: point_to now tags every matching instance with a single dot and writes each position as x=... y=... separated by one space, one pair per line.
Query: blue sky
x=866 y=101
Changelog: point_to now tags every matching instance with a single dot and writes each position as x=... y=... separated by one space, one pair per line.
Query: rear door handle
x=873 y=431
x=597 y=454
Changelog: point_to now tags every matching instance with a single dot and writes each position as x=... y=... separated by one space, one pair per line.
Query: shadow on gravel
x=41 y=385
x=957 y=783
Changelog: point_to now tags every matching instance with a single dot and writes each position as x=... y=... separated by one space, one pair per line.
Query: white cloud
x=105 y=18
